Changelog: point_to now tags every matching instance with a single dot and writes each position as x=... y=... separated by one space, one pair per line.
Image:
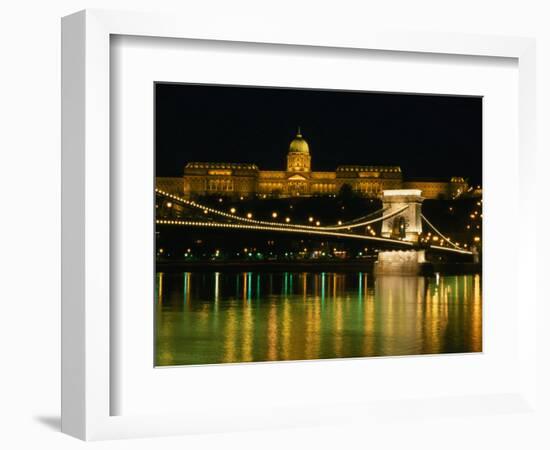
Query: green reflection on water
x=217 y=317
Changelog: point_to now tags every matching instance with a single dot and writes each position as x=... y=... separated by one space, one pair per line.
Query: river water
x=222 y=317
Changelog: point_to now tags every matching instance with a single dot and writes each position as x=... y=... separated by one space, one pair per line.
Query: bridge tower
x=406 y=225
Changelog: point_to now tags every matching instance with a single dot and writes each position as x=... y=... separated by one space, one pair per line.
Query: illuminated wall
x=438 y=189
x=246 y=180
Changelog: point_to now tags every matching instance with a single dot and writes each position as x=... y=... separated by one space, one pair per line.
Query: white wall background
x=30 y=237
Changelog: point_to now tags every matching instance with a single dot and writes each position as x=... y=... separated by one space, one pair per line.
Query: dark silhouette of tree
x=345 y=193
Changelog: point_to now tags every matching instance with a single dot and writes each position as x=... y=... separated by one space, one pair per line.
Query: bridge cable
x=368 y=216
x=316 y=231
x=439 y=233
x=285 y=225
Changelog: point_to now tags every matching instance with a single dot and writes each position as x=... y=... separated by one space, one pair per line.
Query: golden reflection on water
x=272 y=334
x=293 y=316
x=160 y=277
x=230 y=348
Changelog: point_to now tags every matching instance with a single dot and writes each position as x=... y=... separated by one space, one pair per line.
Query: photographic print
x=303 y=224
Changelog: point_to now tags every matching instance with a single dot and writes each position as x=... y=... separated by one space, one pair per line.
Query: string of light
x=440 y=234
x=254 y=224
x=349 y=225
x=281 y=229
x=452 y=250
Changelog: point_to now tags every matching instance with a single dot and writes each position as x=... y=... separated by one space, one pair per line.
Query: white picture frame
x=87 y=386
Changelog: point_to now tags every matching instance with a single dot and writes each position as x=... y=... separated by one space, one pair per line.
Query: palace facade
x=246 y=180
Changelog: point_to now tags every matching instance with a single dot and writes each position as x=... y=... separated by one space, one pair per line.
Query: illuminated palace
x=246 y=180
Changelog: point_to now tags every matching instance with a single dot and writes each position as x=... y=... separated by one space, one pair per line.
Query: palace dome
x=298 y=144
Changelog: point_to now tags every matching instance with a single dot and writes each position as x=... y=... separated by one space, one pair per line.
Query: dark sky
x=428 y=136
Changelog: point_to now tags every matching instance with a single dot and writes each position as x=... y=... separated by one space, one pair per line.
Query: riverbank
x=364 y=265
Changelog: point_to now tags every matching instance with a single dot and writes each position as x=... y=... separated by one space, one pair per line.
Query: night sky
x=428 y=136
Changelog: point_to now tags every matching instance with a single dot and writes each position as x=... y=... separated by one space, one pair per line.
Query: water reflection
x=218 y=317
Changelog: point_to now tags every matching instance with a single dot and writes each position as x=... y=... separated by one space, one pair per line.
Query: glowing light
x=339 y=222
x=169 y=204
x=233 y=210
x=310 y=219
x=477 y=239
x=249 y=215
x=274 y=214
x=289 y=225
x=273 y=226
x=317 y=223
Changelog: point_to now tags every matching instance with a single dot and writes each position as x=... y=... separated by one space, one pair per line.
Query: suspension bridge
x=400 y=215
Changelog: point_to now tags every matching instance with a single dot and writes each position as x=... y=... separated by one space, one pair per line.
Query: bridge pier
x=402 y=262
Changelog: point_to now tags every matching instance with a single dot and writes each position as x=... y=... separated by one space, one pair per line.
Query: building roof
x=356 y=168
x=435 y=180
x=299 y=144
x=221 y=165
